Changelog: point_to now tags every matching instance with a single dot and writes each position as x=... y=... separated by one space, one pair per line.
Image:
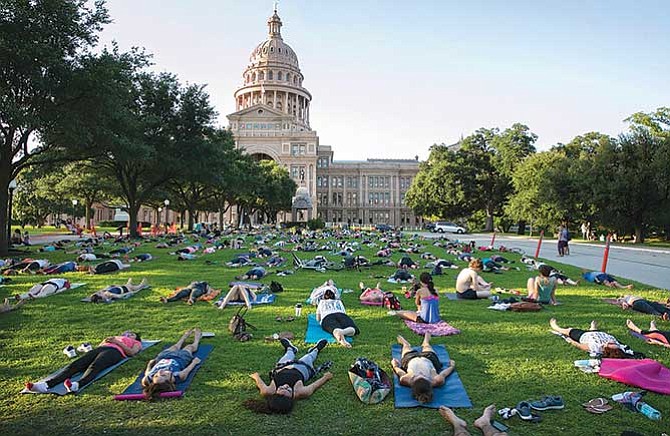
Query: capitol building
x=272 y=122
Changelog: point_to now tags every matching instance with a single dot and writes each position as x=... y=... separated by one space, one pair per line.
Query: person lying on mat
x=44 y=289
x=114 y=292
x=402 y=275
x=542 y=288
x=239 y=293
x=108 y=267
x=596 y=342
x=645 y=306
x=287 y=380
x=333 y=318
x=406 y=262
x=427 y=303
x=110 y=352
x=469 y=285
x=255 y=273
x=602 y=278
x=171 y=366
x=190 y=293
x=483 y=423
x=420 y=370
x=653 y=335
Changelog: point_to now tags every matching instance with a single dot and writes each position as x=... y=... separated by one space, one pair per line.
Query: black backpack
x=276 y=287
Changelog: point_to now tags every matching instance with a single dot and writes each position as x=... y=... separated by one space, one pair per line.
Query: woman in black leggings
x=110 y=352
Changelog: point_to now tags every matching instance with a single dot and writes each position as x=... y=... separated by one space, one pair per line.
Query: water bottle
x=587 y=363
x=648 y=411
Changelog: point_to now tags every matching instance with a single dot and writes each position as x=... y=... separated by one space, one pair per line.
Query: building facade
x=272 y=122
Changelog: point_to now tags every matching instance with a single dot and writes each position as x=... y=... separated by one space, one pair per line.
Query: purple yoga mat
x=441 y=328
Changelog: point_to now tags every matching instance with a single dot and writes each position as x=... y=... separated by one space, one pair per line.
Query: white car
x=444 y=226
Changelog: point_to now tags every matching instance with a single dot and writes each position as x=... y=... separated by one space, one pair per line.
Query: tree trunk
x=666 y=230
x=5 y=177
x=639 y=235
x=489 y=221
x=182 y=214
x=220 y=219
x=89 y=205
x=191 y=219
x=133 y=210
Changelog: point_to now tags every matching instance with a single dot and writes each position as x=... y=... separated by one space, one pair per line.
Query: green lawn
x=502 y=358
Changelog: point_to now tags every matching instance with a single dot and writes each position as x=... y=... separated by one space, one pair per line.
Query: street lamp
x=158 y=217
x=74 y=207
x=12 y=186
x=166 y=203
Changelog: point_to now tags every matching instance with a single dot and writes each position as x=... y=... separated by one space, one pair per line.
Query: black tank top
x=287 y=376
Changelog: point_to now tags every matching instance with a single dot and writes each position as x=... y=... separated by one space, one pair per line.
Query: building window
x=261 y=76
x=279 y=75
x=270 y=75
x=288 y=77
x=253 y=77
x=325 y=181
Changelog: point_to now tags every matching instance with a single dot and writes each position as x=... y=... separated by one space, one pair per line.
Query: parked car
x=384 y=227
x=444 y=226
x=429 y=226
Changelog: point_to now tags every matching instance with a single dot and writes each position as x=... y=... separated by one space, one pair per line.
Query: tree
x=276 y=189
x=82 y=181
x=454 y=183
x=47 y=92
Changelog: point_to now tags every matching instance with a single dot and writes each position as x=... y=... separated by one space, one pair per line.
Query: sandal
x=289 y=319
x=279 y=319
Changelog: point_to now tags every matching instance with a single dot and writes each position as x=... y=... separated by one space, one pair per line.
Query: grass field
x=502 y=358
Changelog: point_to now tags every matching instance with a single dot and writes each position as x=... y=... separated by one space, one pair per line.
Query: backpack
x=276 y=287
x=370 y=382
x=238 y=325
x=391 y=302
x=525 y=307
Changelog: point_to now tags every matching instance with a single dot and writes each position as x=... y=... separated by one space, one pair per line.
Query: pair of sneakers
x=43 y=388
x=71 y=352
x=289 y=346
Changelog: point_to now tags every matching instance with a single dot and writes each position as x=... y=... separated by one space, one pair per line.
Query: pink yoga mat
x=441 y=328
x=646 y=373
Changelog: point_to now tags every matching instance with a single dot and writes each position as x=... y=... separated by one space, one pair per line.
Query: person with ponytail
x=288 y=380
x=427 y=303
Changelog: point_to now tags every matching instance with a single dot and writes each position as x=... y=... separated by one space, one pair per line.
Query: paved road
x=646 y=265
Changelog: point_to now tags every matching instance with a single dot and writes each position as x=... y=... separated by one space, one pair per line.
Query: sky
x=389 y=79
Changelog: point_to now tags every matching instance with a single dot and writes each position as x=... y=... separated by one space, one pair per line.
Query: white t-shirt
x=87 y=257
x=59 y=283
x=597 y=341
x=326 y=307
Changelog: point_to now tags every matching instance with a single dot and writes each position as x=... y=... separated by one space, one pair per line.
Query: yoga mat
x=441 y=328
x=451 y=394
x=260 y=299
x=250 y=285
x=646 y=373
x=315 y=333
x=60 y=389
x=648 y=340
x=136 y=388
x=398 y=281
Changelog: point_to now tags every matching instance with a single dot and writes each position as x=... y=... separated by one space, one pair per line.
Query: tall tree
x=82 y=181
x=47 y=91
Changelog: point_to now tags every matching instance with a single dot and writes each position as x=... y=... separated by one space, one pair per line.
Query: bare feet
x=630 y=286
x=593 y=326
x=143 y=283
x=403 y=341
x=341 y=339
x=451 y=417
x=163 y=300
x=632 y=326
x=426 y=338
x=554 y=324
x=652 y=325
x=361 y=285
x=487 y=416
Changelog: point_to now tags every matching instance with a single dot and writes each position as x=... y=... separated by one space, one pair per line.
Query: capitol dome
x=274 y=49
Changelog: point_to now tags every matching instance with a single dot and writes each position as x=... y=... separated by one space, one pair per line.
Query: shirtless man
x=421 y=370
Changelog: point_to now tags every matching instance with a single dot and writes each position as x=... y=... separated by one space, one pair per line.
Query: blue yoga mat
x=60 y=389
x=202 y=353
x=260 y=299
x=451 y=394
x=315 y=333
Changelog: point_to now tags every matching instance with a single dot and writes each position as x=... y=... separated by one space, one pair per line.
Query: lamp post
x=12 y=186
x=74 y=207
x=166 y=203
x=158 y=217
